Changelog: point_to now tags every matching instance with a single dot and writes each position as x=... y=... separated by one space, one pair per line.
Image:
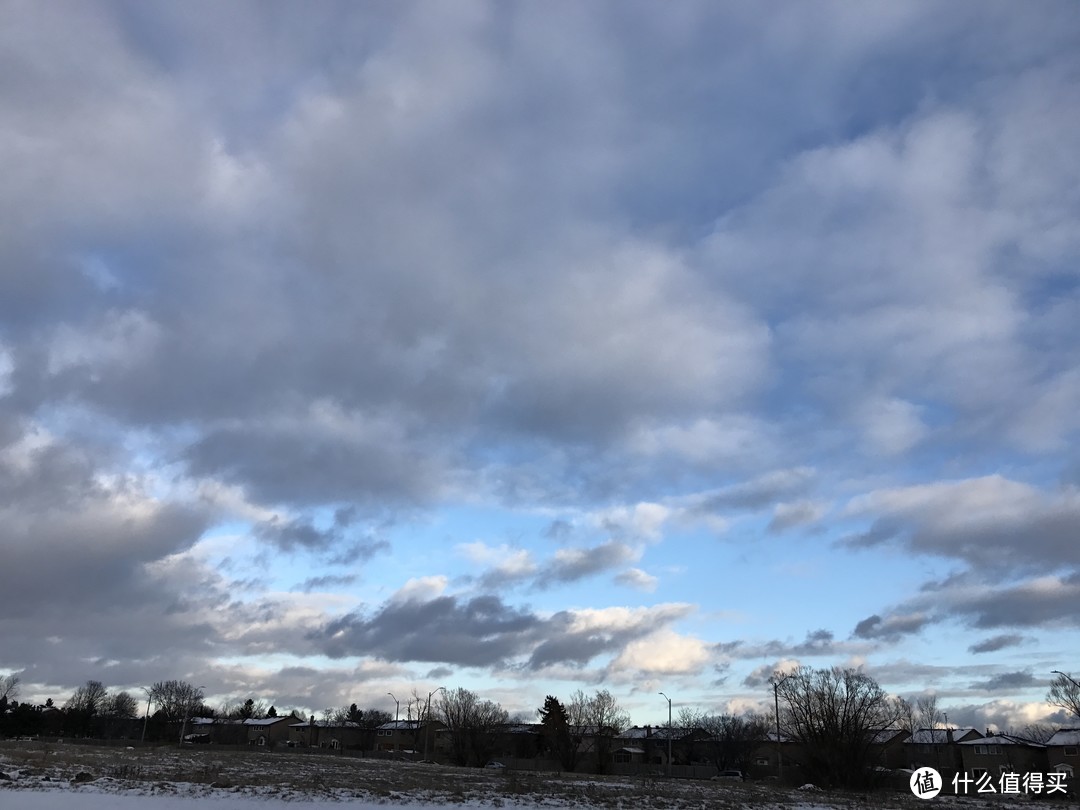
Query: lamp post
x=776 y=684
x=427 y=718
x=668 y=733
x=1069 y=678
x=397 y=707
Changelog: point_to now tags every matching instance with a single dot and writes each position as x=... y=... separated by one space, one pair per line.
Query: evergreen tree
x=556 y=733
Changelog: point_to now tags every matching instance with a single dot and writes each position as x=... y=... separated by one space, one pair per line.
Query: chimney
x=949 y=736
x=648 y=731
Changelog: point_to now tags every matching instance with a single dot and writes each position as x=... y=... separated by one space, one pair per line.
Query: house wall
x=1008 y=758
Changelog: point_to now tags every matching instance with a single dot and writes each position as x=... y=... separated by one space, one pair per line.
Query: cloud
x=756 y=493
x=995 y=643
x=326 y=581
x=992 y=523
x=664 y=652
x=818 y=643
x=798 y=513
x=637 y=579
x=891 y=628
x=408 y=264
x=762 y=675
x=291 y=534
x=480 y=632
x=1005 y=682
x=576 y=637
x=573 y=564
x=505 y=565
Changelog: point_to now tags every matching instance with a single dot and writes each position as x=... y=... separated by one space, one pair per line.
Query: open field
x=43 y=775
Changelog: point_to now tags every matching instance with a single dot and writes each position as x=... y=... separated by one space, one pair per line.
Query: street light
x=776 y=684
x=427 y=718
x=668 y=733
x=397 y=707
x=1067 y=677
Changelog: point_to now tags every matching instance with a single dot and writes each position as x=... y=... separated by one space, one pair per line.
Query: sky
x=349 y=349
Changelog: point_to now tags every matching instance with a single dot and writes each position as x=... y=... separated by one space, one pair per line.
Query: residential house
x=996 y=754
x=649 y=745
x=325 y=734
x=252 y=731
x=887 y=748
x=267 y=730
x=1063 y=753
x=411 y=737
x=938 y=748
x=519 y=741
x=775 y=757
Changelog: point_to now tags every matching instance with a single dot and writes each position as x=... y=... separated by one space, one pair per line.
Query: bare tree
x=604 y=718
x=926 y=712
x=1035 y=732
x=489 y=718
x=89 y=699
x=923 y=713
x=733 y=738
x=121 y=705
x=9 y=687
x=456 y=709
x=837 y=714
x=473 y=725
x=176 y=700
x=1065 y=694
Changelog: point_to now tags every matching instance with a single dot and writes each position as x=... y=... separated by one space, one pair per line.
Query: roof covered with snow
x=940 y=736
x=401 y=725
x=654 y=732
x=1065 y=736
x=1002 y=739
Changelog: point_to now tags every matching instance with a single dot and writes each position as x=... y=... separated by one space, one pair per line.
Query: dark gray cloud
x=1037 y=603
x=324 y=582
x=337 y=538
x=757 y=493
x=1005 y=682
x=817 y=643
x=892 y=627
x=992 y=523
x=995 y=643
x=571 y=565
x=480 y=632
x=485 y=632
x=67 y=524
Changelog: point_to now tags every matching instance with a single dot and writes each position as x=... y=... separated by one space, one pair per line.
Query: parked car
x=730 y=775
x=495 y=765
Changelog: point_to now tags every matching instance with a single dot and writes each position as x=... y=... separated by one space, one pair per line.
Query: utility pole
x=776 y=684
x=668 y=733
x=146 y=718
x=427 y=719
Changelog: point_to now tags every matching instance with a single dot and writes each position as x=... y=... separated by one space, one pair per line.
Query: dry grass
x=294 y=773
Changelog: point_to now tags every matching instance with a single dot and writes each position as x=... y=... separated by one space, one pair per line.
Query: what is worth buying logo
x=925 y=783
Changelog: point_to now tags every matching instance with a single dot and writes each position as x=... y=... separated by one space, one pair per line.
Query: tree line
x=836 y=714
